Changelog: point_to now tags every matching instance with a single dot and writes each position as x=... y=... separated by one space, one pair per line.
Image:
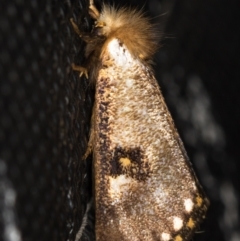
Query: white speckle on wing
x=165 y=236
x=119 y=187
x=177 y=223
x=129 y=83
x=188 y=203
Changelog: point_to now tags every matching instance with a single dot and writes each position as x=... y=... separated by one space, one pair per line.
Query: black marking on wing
x=137 y=169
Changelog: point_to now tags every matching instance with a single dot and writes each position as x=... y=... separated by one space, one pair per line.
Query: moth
x=144 y=186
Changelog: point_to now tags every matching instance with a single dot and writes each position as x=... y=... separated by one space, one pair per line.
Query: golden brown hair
x=129 y=26
x=132 y=28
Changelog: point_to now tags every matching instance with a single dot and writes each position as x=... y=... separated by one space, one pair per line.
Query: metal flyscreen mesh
x=45 y=113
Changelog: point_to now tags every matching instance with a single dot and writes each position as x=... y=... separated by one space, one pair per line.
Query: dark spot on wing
x=130 y=162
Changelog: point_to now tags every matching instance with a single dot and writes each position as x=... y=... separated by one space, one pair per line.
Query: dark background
x=45 y=111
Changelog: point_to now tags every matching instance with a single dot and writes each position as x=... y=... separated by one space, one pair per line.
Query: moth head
x=108 y=20
x=101 y=29
x=130 y=26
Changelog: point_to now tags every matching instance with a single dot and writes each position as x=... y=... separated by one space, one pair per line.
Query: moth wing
x=145 y=188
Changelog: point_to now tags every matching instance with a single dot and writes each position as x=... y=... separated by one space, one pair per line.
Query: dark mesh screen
x=45 y=112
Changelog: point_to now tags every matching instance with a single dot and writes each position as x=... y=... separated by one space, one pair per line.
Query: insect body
x=145 y=188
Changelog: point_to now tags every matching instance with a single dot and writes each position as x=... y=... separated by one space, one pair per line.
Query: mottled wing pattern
x=145 y=188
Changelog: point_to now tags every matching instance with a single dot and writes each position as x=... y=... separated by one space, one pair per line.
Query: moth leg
x=93 y=12
x=86 y=37
x=82 y=70
x=89 y=147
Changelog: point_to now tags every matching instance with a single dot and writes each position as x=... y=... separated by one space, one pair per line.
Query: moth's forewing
x=145 y=188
